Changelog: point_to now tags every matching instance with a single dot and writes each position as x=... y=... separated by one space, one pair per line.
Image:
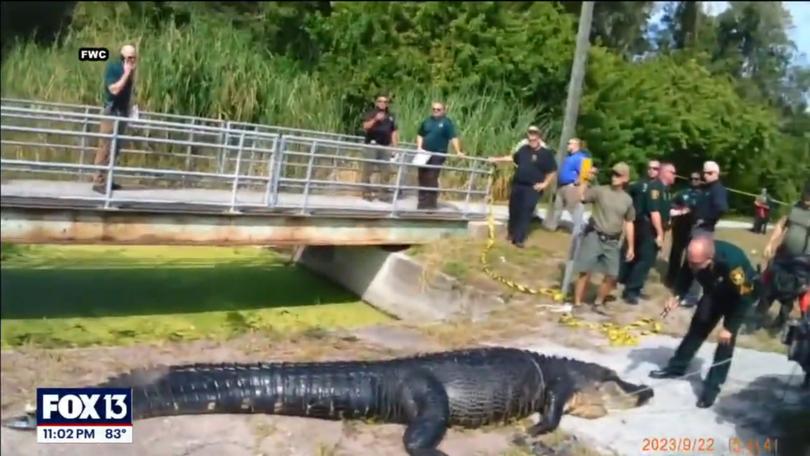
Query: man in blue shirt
x=119 y=77
x=567 y=195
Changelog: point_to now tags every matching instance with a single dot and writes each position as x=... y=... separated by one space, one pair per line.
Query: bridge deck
x=79 y=195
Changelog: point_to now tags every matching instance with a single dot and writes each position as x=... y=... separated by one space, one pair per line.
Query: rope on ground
x=624 y=335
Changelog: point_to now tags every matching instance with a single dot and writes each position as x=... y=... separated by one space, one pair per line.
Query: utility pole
x=574 y=92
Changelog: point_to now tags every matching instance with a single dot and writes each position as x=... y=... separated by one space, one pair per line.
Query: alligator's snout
x=644 y=394
x=26 y=422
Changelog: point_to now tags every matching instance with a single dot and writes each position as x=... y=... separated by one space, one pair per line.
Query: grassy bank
x=88 y=295
x=542 y=264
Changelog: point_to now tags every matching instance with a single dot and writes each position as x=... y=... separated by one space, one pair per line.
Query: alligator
x=427 y=393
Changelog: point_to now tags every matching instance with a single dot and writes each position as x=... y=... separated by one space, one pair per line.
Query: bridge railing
x=208 y=162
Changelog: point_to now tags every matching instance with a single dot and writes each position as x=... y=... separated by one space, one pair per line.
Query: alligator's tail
x=310 y=390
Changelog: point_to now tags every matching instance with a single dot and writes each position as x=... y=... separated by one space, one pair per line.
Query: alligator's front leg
x=552 y=413
x=424 y=400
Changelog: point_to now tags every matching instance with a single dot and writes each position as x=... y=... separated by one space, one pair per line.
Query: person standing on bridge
x=612 y=215
x=728 y=282
x=119 y=79
x=380 y=128
x=435 y=134
x=535 y=168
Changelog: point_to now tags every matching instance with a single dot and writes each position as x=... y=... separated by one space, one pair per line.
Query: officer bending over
x=727 y=278
x=535 y=168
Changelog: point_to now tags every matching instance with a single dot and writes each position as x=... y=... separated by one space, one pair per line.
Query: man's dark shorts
x=598 y=255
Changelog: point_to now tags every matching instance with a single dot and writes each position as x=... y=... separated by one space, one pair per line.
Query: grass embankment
x=541 y=265
x=63 y=296
x=228 y=75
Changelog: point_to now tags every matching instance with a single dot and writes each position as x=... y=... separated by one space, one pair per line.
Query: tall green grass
x=210 y=69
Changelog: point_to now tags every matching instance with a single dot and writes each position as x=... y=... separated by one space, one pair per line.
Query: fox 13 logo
x=84 y=415
x=92 y=54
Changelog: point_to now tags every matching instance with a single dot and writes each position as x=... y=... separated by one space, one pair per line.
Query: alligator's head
x=597 y=389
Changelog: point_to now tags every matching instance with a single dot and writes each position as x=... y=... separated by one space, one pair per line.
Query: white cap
x=711 y=166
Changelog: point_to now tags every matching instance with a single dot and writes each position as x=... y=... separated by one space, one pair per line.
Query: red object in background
x=804 y=302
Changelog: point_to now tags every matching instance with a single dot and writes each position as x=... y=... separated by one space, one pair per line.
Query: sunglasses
x=654 y=168
x=382 y=101
x=617 y=174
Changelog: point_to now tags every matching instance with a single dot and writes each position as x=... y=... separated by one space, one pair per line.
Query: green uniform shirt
x=656 y=199
x=729 y=281
x=687 y=197
x=119 y=103
x=437 y=133
x=636 y=190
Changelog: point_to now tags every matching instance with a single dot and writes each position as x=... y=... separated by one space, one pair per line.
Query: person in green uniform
x=651 y=224
x=681 y=215
x=728 y=282
x=435 y=134
x=119 y=79
x=638 y=188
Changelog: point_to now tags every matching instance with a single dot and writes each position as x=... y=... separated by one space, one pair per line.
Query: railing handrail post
x=236 y=172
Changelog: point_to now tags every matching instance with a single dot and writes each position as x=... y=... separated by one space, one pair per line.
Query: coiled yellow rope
x=617 y=335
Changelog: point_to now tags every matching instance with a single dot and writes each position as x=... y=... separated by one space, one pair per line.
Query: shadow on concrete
x=770 y=410
x=659 y=356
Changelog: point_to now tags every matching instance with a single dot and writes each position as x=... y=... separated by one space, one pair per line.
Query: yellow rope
x=616 y=335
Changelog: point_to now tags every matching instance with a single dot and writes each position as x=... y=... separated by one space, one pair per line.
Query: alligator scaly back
x=428 y=392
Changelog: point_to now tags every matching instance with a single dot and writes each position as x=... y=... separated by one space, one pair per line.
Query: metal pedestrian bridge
x=190 y=180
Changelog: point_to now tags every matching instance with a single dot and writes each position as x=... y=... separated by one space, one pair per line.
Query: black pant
x=704 y=320
x=428 y=177
x=680 y=239
x=760 y=225
x=522 y=204
x=633 y=274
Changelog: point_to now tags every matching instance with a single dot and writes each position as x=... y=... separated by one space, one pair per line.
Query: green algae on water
x=73 y=296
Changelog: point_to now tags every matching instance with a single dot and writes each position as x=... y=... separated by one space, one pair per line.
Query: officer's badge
x=654 y=194
x=737 y=277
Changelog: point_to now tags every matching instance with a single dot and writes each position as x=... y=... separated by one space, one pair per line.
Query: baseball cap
x=533 y=129
x=621 y=168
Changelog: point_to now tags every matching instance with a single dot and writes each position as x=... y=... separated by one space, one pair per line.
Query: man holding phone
x=119 y=79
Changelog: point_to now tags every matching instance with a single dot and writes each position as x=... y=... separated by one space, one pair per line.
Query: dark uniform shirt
x=118 y=103
x=729 y=281
x=656 y=198
x=711 y=205
x=686 y=198
x=382 y=130
x=437 y=133
x=636 y=190
x=533 y=165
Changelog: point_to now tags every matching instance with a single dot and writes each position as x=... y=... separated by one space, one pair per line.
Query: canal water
x=73 y=296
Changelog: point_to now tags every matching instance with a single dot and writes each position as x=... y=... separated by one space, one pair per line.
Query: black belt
x=603 y=236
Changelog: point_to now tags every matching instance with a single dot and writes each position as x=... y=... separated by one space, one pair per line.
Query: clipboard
x=421 y=158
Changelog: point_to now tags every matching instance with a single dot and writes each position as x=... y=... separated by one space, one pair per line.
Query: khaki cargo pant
x=103 y=152
x=384 y=172
x=566 y=198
